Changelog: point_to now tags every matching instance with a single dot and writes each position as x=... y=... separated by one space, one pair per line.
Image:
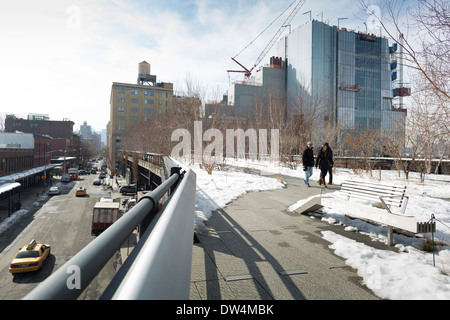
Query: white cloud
x=60 y=57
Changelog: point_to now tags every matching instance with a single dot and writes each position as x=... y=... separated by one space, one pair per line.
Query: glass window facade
x=368 y=101
x=363 y=81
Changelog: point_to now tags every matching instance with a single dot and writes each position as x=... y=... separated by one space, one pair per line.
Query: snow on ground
x=410 y=273
x=215 y=191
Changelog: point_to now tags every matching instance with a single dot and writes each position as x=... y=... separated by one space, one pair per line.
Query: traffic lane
x=64 y=222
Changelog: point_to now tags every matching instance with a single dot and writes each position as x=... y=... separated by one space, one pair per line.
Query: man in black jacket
x=308 y=162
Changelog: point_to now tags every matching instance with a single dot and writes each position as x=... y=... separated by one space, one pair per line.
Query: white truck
x=104 y=215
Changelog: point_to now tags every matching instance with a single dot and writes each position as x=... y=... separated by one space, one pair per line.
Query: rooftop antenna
x=321 y=15
x=339 y=20
x=309 y=14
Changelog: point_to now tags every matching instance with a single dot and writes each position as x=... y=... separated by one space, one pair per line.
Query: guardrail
x=70 y=280
x=159 y=267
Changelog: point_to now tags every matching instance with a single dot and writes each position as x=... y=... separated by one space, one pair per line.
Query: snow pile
x=409 y=273
x=216 y=190
x=396 y=276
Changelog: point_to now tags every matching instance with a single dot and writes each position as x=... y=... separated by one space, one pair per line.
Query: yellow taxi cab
x=30 y=257
x=81 y=191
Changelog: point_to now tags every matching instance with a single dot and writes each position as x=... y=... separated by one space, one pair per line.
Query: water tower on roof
x=144 y=76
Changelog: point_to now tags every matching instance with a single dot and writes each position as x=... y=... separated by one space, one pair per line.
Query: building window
x=121 y=91
x=121 y=109
x=120 y=127
x=134 y=118
x=121 y=118
x=134 y=110
x=134 y=92
x=134 y=100
x=146 y=119
x=148 y=110
x=148 y=101
x=121 y=99
x=149 y=93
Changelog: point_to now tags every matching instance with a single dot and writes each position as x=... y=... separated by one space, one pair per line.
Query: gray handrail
x=159 y=267
x=69 y=281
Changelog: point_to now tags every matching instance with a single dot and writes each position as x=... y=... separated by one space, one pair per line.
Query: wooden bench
x=381 y=203
x=389 y=197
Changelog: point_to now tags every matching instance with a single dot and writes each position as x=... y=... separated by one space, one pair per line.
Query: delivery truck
x=104 y=215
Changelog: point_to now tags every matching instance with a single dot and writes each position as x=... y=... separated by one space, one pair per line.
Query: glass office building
x=343 y=77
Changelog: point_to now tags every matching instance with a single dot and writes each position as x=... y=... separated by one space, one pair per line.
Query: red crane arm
x=269 y=46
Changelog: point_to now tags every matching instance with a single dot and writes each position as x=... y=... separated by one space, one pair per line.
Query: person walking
x=330 y=168
x=308 y=162
x=324 y=161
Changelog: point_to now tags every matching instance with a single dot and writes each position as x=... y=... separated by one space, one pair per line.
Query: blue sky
x=60 y=57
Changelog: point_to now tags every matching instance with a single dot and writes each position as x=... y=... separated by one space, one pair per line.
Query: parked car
x=102 y=175
x=30 y=258
x=53 y=191
x=65 y=178
x=97 y=182
x=128 y=189
x=81 y=191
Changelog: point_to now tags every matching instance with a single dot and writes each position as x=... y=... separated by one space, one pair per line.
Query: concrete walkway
x=255 y=249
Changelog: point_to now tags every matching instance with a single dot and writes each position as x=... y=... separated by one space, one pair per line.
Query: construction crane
x=247 y=72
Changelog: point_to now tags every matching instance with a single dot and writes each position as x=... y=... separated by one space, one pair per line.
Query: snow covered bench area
x=380 y=203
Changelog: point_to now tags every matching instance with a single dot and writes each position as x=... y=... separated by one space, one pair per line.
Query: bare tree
x=425 y=135
x=427 y=49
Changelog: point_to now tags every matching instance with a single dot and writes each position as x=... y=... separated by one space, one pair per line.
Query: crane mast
x=247 y=72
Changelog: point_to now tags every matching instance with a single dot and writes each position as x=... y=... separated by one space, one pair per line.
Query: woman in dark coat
x=324 y=161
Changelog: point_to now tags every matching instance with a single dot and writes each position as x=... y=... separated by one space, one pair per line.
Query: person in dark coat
x=330 y=169
x=308 y=162
x=324 y=161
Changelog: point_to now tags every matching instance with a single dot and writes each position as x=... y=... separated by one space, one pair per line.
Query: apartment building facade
x=143 y=102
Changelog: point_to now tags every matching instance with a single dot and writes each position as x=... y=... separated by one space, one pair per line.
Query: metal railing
x=70 y=280
x=159 y=267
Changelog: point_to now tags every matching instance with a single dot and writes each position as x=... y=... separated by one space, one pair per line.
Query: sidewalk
x=27 y=197
x=255 y=249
